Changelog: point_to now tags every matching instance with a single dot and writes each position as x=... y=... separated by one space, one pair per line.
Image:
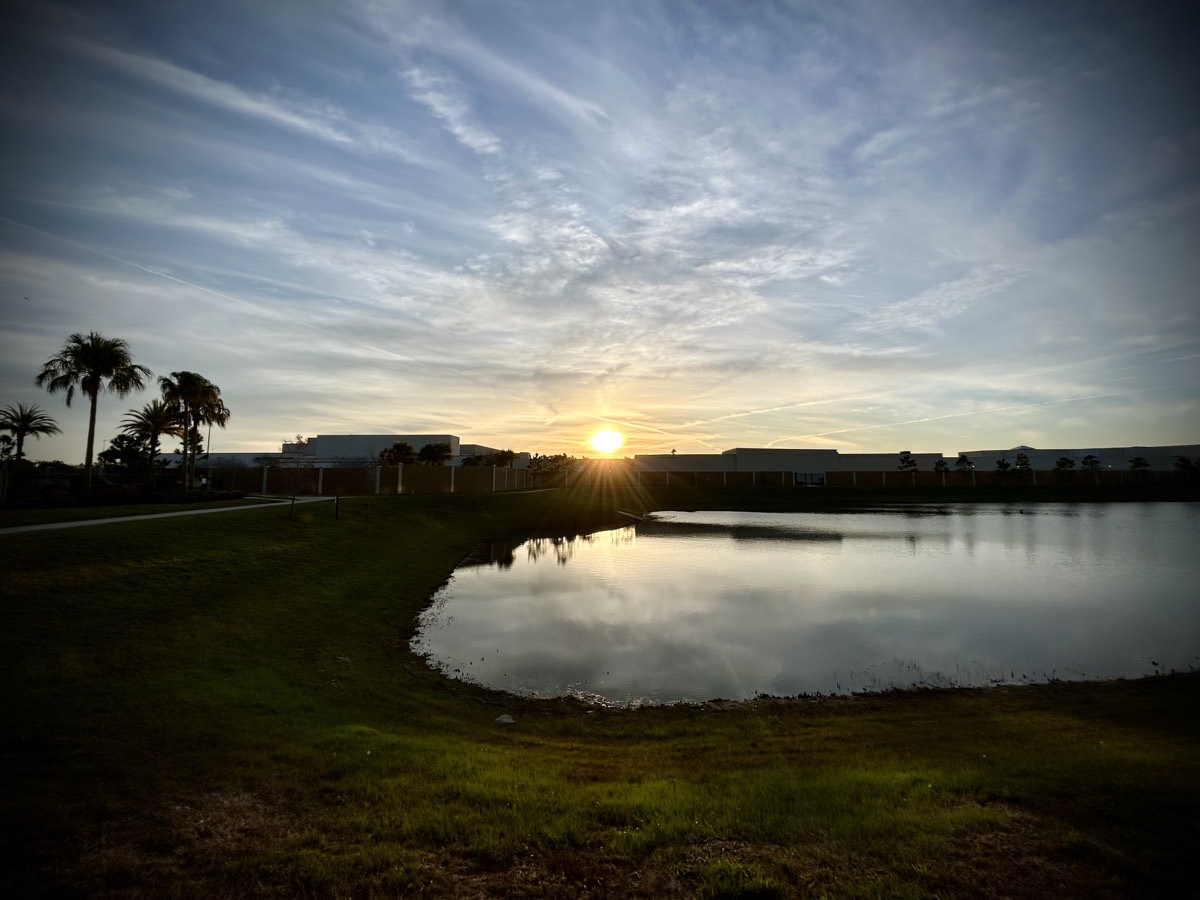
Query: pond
x=692 y=606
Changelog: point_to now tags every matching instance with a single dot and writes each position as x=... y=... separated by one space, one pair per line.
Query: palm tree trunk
x=187 y=420
x=194 y=426
x=91 y=439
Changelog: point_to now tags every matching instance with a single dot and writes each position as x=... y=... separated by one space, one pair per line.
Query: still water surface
x=700 y=605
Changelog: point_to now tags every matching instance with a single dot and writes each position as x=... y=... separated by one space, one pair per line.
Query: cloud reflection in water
x=694 y=606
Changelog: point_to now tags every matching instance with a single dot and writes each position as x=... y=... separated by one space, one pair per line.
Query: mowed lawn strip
x=224 y=705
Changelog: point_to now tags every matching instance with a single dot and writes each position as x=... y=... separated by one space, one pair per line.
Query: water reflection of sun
x=606 y=441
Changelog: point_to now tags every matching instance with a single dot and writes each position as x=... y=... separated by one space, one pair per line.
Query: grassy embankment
x=223 y=705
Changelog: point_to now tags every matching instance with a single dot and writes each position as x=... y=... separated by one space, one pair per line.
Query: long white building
x=809 y=462
x=803 y=462
x=360 y=449
x=332 y=451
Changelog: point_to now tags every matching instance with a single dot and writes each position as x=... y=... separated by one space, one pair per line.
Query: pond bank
x=222 y=705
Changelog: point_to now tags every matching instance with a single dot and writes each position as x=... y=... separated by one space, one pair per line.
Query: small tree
x=965 y=467
x=400 y=453
x=434 y=454
x=125 y=453
x=1002 y=467
x=942 y=467
x=1186 y=467
x=1064 y=467
x=295 y=467
x=1023 y=468
x=1138 y=465
x=1091 y=463
x=552 y=465
x=908 y=464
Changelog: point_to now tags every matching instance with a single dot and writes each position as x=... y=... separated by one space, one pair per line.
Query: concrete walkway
x=50 y=526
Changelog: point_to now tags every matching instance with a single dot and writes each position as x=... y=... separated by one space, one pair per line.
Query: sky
x=874 y=226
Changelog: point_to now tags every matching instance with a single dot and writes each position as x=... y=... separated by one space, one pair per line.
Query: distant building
x=343 y=450
x=806 y=463
x=334 y=451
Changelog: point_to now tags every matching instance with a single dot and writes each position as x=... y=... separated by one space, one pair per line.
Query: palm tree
x=151 y=422
x=1002 y=467
x=96 y=365
x=198 y=401
x=212 y=413
x=942 y=467
x=964 y=466
x=179 y=391
x=24 y=420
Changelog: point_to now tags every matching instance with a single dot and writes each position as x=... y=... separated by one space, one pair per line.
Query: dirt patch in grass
x=1024 y=859
x=194 y=834
x=1021 y=861
x=217 y=825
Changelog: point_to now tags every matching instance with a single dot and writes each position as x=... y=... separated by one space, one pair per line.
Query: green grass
x=224 y=705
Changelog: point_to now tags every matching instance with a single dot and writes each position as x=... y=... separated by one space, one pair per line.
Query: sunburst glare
x=606 y=441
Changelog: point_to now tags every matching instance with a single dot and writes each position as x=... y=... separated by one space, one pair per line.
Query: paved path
x=50 y=526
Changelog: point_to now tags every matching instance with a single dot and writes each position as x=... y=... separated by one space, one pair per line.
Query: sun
x=606 y=441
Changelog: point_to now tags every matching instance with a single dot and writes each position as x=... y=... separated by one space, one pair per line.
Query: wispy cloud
x=437 y=36
x=945 y=300
x=447 y=103
x=314 y=119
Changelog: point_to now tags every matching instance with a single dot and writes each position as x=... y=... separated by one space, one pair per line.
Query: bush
x=117 y=495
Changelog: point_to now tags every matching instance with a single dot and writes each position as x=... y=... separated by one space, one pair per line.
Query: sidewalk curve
x=50 y=526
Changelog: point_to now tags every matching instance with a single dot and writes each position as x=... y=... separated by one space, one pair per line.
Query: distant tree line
x=402 y=453
x=1064 y=466
x=503 y=459
x=558 y=462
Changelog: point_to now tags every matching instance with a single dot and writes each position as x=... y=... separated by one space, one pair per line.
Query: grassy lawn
x=224 y=705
